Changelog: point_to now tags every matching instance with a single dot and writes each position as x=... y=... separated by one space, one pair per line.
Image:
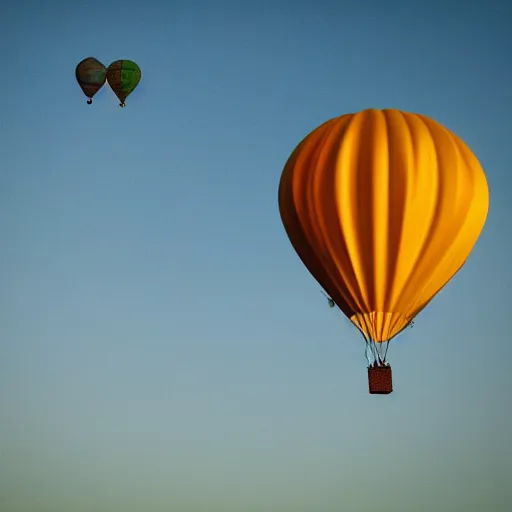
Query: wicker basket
x=380 y=381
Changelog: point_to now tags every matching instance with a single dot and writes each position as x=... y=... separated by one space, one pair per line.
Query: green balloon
x=123 y=76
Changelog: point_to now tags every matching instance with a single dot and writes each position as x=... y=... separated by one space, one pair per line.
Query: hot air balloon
x=90 y=75
x=383 y=207
x=123 y=76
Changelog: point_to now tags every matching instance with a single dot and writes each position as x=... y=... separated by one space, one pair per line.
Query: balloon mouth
x=380 y=326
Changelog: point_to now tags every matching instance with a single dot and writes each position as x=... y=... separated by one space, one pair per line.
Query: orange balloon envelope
x=383 y=207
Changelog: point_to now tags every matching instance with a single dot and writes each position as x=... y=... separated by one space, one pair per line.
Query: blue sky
x=161 y=345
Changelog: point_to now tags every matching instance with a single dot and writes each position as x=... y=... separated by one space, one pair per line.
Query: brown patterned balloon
x=90 y=74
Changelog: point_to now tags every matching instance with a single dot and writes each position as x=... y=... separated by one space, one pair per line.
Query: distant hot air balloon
x=383 y=207
x=90 y=75
x=123 y=76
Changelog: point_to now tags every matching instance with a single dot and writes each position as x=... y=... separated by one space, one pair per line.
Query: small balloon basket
x=380 y=381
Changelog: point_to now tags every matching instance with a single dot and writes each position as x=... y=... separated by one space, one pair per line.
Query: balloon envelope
x=383 y=207
x=123 y=77
x=91 y=75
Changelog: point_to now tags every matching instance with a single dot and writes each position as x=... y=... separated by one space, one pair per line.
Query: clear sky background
x=162 y=347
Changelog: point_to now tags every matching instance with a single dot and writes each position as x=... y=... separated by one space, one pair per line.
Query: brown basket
x=380 y=381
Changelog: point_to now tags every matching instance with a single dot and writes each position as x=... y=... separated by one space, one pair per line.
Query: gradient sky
x=162 y=347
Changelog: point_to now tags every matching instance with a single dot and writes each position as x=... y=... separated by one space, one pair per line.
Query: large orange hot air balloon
x=383 y=207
